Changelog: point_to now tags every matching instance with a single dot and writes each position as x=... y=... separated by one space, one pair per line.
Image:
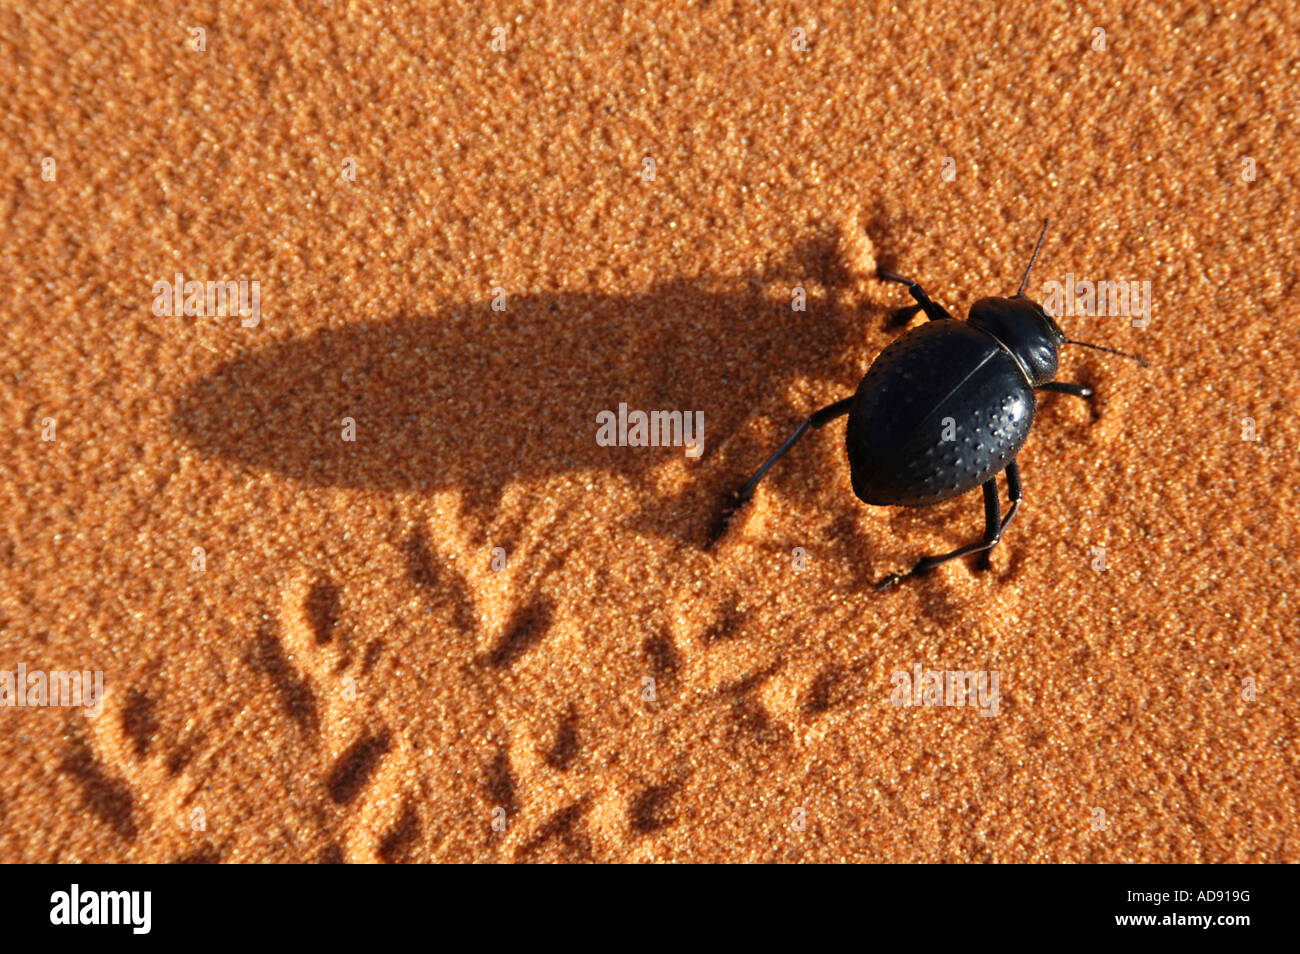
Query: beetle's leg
x=816 y=419
x=932 y=311
x=994 y=526
x=1065 y=387
x=901 y=316
x=1075 y=390
x=992 y=531
x=1014 y=493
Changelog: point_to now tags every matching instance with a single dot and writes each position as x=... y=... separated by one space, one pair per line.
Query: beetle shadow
x=473 y=399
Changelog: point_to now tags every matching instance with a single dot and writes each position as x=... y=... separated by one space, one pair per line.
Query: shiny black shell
x=941 y=370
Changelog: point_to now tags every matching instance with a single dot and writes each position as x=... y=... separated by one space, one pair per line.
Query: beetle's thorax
x=1027 y=331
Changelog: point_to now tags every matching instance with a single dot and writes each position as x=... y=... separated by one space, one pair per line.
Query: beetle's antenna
x=1033 y=258
x=1122 y=354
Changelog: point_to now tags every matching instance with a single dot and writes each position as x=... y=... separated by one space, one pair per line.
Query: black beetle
x=945 y=408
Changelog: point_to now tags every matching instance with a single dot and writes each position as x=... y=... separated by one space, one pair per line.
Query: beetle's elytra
x=946 y=408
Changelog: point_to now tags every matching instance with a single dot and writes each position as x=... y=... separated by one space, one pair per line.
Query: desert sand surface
x=460 y=628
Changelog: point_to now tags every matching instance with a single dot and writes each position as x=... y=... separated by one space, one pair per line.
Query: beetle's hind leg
x=995 y=524
x=1014 y=494
x=933 y=311
x=816 y=419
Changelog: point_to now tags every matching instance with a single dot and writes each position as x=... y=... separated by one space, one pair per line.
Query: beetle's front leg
x=1067 y=387
x=1074 y=390
x=933 y=311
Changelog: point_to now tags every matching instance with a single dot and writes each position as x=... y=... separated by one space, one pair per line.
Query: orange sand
x=348 y=678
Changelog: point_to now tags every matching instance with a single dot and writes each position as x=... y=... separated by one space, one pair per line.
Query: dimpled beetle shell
x=940 y=370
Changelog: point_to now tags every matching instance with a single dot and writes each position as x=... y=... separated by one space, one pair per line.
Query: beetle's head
x=1025 y=329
